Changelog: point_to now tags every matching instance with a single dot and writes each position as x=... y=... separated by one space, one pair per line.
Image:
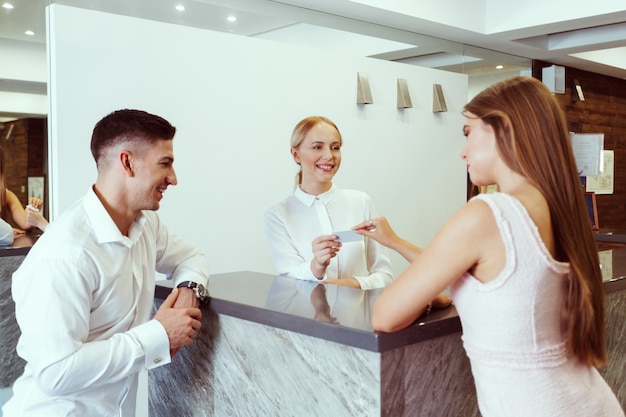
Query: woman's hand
x=324 y=248
x=379 y=230
x=441 y=301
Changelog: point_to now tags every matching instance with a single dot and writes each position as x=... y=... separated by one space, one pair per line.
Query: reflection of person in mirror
x=25 y=218
x=521 y=263
x=325 y=303
x=300 y=228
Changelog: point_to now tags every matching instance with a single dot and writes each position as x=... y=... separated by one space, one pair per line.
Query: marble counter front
x=272 y=345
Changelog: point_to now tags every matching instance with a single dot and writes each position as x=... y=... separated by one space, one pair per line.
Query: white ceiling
x=477 y=35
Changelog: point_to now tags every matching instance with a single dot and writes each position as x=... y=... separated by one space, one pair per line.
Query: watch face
x=202 y=291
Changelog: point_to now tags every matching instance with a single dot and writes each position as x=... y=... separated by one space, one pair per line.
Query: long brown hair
x=3 y=186
x=302 y=129
x=533 y=140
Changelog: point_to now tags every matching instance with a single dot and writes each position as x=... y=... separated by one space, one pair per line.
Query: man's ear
x=126 y=161
x=295 y=155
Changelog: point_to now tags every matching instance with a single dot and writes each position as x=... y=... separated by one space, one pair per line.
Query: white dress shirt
x=292 y=224
x=6 y=233
x=84 y=297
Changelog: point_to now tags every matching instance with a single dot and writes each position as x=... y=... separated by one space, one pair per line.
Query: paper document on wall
x=588 y=149
x=603 y=184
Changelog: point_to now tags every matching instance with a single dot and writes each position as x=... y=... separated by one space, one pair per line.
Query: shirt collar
x=309 y=199
x=104 y=227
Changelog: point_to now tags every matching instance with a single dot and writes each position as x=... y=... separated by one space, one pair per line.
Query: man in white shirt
x=84 y=293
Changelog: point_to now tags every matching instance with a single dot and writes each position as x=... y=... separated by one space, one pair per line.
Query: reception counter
x=273 y=345
x=278 y=346
x=610 y=239
x=610 y=236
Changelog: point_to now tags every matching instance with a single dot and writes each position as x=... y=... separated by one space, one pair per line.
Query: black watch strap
x=198 y=289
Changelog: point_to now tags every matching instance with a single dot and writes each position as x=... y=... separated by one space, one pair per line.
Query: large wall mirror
x=23 y=75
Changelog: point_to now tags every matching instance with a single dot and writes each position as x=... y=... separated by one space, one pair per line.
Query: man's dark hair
x=128 y=125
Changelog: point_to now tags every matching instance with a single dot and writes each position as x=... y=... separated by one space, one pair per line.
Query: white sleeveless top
x=514 y=330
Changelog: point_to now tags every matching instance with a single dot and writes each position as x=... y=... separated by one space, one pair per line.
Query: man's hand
x=181 y=324
x=186 y=298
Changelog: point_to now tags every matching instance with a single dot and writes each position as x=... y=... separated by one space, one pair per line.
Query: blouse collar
x=309 y=199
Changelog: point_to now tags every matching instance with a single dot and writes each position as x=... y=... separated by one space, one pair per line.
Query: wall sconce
x=577 y=92
x=9 y=132
x=404 y=98
x=363 y=93
x=439 y=102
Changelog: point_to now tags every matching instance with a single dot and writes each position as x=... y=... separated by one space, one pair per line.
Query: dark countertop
x=21 y=245
x=342 y=314
x=610 y=235
x=286 y=303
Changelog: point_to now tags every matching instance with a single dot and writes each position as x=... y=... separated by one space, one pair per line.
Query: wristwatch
x=198 y=289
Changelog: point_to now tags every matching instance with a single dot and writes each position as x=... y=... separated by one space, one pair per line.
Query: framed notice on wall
x=588 y=149
x=36 y=187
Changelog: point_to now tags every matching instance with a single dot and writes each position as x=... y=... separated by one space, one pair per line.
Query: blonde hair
x=302 y=129
x=533 y=140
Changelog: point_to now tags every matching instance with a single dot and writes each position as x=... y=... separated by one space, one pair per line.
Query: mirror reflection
x=23 y=82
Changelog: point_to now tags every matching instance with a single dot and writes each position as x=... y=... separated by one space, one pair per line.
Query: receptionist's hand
x=345 y=282
x=324 y=248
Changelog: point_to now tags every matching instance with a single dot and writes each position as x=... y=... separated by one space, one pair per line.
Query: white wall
x=22 y=61
x=235 y=101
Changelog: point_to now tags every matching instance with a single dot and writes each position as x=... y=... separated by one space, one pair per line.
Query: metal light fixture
x=404 y=97
x=439 y=102
x=363 y=93
x=577 y=92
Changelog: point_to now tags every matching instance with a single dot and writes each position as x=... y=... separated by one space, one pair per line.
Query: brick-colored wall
x=603 y=111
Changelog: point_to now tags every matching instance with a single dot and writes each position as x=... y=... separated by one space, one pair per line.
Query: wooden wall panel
x=603 y=111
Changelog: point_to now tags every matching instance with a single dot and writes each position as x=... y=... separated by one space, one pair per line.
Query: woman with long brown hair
x=521 y=264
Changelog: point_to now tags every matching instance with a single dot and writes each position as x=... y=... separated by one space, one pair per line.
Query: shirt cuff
x=155 y=343
x=198 y=279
